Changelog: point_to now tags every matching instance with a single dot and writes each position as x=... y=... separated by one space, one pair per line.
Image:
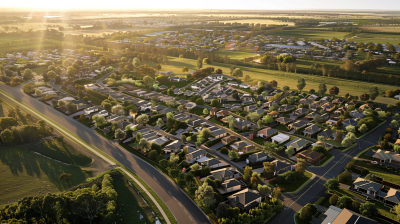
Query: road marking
x=185 y=211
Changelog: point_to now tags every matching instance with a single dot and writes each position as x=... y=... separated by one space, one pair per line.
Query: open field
x=394 y=29
x=260 y=21
x=283 y=78
x=24 y=173
x=235 y=54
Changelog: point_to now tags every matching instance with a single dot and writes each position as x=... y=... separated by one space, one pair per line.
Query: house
x=273 y=114
x=383 y=156
x=312 y=129
x=163 y=87
x=339 y=111
x=284 y=120
x=218 y=133
x=327 y=133
x=282 y=167
x=260 y=111
x=195 y=122
x=349 y=121
x=356 y=114
x=331 y=122
x=224 y=174
x=90 y=110
x=214 y=111
x=280 y=138
x=240 y=146
x=158 y=108
x=312 y=115
x=228 y=139
x=257 y=157
x=336 y=215
x=250 y=108
x=174 y=146
x=338 y=101
x=300 y=112
x=190 y=106
x=310 y=156
x=298 y=144
x=245 y=199
x=286 y=107
x=267 y=132
x=212 y=163
x=193 y=156
x=241 y=124
x=222 y=113
x=297 y=125
x=230 y=185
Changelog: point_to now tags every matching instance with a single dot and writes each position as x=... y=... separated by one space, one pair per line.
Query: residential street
x=183 y=208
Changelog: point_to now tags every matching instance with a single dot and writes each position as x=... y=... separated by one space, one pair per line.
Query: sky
x=205 y=4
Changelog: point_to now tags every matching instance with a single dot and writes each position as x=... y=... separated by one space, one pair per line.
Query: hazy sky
x=206 y=4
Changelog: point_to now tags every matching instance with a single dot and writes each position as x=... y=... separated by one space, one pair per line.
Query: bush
x=351 y=166
x=364 y=172
x=224 y=150
x=159 y=158
x=345 y=176
x=333 y=199
x=308 y=212
x=153 y=154
x=184 y=164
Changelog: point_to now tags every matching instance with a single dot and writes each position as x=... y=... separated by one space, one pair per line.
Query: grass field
x=260 y=21
x=394 y=29
x=235 y=54
x=354 y=87
x=293 y=186
x=24 y=173
x=63 y=152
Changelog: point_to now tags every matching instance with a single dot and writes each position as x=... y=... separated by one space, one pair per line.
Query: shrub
x=159 y=158
x=333 y=199
x=308 y=212
x=350 y=166
x=153 y=154
x=364 y=172
x=345 y=176
x=224 y=150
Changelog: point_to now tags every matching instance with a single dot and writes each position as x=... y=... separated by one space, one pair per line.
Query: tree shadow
x=19 y=160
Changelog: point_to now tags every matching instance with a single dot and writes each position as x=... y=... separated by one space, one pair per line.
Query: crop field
x=260 y=21
x=394 y=29
x=283 y=78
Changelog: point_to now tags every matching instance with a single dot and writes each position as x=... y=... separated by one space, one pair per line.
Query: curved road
x=183 y=208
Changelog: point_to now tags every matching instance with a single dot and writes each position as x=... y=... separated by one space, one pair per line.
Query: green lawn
x=393 y=178
x=176 y=84
x=327 y=157
x=246 y=90
x=197 y=110
x=94 y=100
x=25 y=173
x=259 y=140
x=370 y=166
x=63 y=151
x=294 y=186
x=281 y=127
x=217 y=122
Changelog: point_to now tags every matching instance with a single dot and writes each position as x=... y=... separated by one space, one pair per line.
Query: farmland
x=283 y=78
x=260 y=21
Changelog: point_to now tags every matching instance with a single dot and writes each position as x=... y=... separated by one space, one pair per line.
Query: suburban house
x=193 y=156
x=349 y=121
x=300 y=112
x=312 y=129
x=336 y=215
x=226 y=140
x=298 y=144
x=214 y=111
x=224 y=174
x=339 y=111
x=356 y=114
x=282 y=167
x=284 y=120
x=240 y=145
x=312 y=115
x=93 y=109
x=280 y=138
x=241 y=124
x=310 y=156
x=230 y=185
x=297 y=125
x=250 y=108
x=195 y=121
x=174 y=146
x=222 y=113
x=286 y=107
x=389 y=198
x=338 y=101
x=328 y=107
x=245 y=199
x=267 y=132
x=212 y=163
x=218 y=133
x=328 y=133
x=383 y=156
x=257 y=157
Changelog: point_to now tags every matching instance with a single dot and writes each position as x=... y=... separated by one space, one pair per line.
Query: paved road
x=183 y=208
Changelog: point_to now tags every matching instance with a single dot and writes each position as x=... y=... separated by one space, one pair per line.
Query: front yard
x=293 y=186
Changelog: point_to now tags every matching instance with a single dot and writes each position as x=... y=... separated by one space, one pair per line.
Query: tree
x=347 y=142
x=334 y=90
x=142 y=119
x=264 y=189
x=158 y=67
x=28 y=74
x=71 y=107
x=332 y=184
x=199 y=64
x=365 y=97
x=363 y=128
x=99 y=120
x=199 y=101
x=273 y=83
x=351 y=128
x=237 y=73
x=322 y=89
x=259 y=123
x=285 y=88
x=160 y=122
x=119 y=134
x=185 y=69
x=183 y=138
x=71 y=71
x=290 y=151
x=369 y=210
x=301 y=83
x=344 y=202
x=394 y=124
x=205 y=195
x=301 y=166
x=136 y=62
x=215 y=103
x=144 y=145
x=180 y=108
x=374 y=92
x=117 y=109
x=267 y=119
x=38 y=92
x=333 y=200
x=318 y=119
x=371 y=177
x=246 y=78
x=308 y=212
x=206 y=61
x=148 y=80
x=66 y=177
x=276 y=193
x=248 y=172
x=205 y=111
x=268 y=170
x=233 y=155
